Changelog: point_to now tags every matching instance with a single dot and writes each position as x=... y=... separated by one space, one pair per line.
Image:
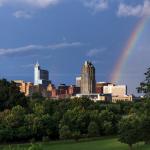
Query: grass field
x=103 y=144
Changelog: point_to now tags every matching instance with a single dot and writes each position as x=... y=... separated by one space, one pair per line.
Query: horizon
x=62 y=34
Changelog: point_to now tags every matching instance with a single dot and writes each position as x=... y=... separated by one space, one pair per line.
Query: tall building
x=78 y=81
x=41 y=77
x=88 y=82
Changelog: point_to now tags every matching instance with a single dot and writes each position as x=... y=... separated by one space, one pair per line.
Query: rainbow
x=127 y=51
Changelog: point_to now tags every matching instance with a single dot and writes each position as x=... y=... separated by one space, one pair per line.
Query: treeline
x=62 y=119
x=135 y=126
x=32 y=119
x=25 y=119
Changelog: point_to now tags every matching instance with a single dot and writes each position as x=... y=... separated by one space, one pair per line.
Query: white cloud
x=33 y=3
x=95 y=52
x=41 y=3
x=7 y=51
x=96 y=5
x=138 y=10
x=22 y=14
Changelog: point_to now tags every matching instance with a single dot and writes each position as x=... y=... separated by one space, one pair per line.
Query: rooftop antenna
x=37 y=63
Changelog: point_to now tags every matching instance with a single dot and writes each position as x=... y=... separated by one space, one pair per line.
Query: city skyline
x=63 y=34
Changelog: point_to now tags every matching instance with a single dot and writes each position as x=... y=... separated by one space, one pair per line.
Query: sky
x=62 y=34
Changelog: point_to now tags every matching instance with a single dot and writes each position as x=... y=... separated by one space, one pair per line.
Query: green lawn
x=107 y=144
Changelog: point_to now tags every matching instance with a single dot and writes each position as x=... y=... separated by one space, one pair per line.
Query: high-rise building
x=88 y=82
x=41 y=77
x=78 y=81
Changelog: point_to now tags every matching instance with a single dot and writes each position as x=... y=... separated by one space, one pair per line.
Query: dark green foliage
x=129 y=131
x=145 y=85
x=40 y=119
x=93 y=129
x=145 y=129
x=63 y=119
x=76 y=135
x=64 y=133
x=10 y=95
x=35 y=147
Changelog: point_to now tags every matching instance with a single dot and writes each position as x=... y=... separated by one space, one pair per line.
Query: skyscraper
x=88 y=82
x=78 y=81
x=41 y=77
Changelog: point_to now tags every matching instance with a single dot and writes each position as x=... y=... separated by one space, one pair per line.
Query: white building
x=115 y=90
x=118 y=92
x=41 y=77
x=96 y=97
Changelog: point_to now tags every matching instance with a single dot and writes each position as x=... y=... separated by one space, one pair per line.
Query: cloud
x=32 y=3
x=95 y=52
x=22 y=14
x=139 y=10
x=7 y=51
x=96 y=5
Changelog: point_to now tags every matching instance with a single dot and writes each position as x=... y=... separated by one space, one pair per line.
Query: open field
x=107 y=144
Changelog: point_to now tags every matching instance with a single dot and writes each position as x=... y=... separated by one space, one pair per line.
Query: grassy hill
x=105 y=144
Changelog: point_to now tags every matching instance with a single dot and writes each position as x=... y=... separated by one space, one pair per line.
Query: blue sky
x=62 y=34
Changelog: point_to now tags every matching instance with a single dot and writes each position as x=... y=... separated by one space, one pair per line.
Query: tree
x=108 y=128
x=35 y=147
x=76 y=135
x=129 y=130
x=145 y=85
x=76 y=119
x=93 y=129
x=145 y=129
x=10 y=95
x=64 y=132
x=108 y=121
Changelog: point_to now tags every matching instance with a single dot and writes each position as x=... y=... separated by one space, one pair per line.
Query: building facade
x=88 y=82
x=25 y=87
x=100 y=87
x=78 y=81
x=118 y=92
x=96 y=97
x=115 y=90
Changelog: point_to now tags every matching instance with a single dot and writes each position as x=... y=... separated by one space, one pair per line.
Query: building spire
x=37 y=63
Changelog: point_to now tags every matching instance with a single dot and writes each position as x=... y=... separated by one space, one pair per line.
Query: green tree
x=108 y=122
x=145 y=85
x=93 y=129
x=129 y=130
x=76 y=119
x=76 y=135
x=108 y=128
x=10 y=95
x=65 y=132
x=35 y=147
x=145 y=129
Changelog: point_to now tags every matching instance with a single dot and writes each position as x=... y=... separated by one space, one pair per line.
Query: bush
x=93 y=130
x=65 y=132
x=32 y=140
x=45 y=139
x=76 y=135
x=35 y=147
